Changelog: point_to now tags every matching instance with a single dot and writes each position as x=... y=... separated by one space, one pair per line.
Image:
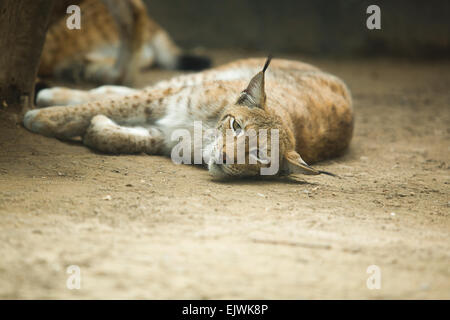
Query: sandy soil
x=169 y=231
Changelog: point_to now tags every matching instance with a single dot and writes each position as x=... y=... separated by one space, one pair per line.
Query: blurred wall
x=413 y=28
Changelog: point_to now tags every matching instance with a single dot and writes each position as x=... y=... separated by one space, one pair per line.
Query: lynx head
x=254 y=140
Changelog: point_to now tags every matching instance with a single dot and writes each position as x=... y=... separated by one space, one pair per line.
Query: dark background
x=409 y=28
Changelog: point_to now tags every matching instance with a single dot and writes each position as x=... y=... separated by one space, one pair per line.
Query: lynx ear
x=254 y=95
x=295 y=164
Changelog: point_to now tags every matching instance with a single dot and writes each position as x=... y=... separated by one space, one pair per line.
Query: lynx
x=116 y=39
x=311 y=110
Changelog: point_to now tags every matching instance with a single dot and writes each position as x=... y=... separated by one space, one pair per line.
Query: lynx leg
x=60 y=96
x=106 y=136
x=139 y=109
x=130 y=17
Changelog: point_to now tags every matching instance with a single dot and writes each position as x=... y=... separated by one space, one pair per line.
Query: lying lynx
x=312 y=111
x=116 y=39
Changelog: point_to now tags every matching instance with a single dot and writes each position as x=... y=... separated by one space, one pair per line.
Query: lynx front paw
x=37 y=122
x=59 y=96
x=44 y=98
x=55 y=122
x=31 y=121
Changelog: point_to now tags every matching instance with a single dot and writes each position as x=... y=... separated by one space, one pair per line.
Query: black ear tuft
x=254 y=95
x=266 y=65
x=193 y=63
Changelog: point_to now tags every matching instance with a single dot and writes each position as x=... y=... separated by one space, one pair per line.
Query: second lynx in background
x=117 y=38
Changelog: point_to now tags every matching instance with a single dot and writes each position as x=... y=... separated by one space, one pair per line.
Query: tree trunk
x=23 y=25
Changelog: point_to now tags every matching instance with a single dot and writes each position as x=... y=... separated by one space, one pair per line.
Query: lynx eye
x=236 y=127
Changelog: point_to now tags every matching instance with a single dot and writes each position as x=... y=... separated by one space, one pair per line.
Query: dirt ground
x=142 y=227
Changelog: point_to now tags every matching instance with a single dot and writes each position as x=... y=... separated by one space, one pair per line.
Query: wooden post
x=23 y=25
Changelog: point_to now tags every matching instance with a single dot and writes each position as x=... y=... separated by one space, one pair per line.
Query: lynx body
x=311 y=110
